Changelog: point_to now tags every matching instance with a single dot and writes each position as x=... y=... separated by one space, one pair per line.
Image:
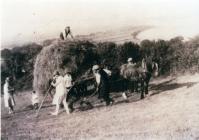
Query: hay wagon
x=85 y=89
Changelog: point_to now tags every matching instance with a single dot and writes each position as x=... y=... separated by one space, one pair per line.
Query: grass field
x=170 y=112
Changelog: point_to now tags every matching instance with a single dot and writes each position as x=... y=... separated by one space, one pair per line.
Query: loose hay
x=78 y=57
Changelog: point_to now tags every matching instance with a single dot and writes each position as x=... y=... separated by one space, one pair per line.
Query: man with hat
x=68 y=32
x=8 y=96
x=133 y=83
x=130 y=62
x=60 y=93
x=102 y=81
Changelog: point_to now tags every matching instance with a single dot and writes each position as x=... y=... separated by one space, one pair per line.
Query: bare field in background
x=170 y=112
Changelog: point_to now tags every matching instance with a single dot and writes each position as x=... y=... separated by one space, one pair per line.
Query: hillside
x=170 y=112
x=118 y=36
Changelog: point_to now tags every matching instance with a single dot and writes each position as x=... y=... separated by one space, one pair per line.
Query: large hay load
x=77 y=57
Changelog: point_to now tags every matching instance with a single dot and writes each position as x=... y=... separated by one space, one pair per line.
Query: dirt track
x=171 y=112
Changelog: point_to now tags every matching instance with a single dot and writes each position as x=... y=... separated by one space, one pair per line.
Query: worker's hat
x=129 y=59
x=7 y=78
x=95 y=67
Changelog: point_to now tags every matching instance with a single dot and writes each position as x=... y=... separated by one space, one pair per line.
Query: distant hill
x=117 y=36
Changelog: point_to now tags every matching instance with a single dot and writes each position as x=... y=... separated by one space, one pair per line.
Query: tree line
x=174 y=56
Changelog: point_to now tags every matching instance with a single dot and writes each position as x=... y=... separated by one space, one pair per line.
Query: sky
x=35 y=20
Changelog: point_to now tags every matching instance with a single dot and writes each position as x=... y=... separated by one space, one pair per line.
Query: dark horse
x=140 y=74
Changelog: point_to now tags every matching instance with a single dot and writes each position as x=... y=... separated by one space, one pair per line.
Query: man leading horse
x=140 y=74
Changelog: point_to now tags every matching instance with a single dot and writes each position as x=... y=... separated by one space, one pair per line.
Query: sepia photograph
x=99 y=69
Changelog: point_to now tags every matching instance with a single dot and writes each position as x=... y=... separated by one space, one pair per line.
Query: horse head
x=150 y=66
x=155 y=69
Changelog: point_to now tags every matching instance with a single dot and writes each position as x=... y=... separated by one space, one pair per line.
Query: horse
x=135 y=74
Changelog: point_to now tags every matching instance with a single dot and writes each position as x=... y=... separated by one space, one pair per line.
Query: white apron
x=59 y=91
x=8 y=97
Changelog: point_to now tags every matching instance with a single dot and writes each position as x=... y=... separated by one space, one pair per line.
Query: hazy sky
x=34 y=20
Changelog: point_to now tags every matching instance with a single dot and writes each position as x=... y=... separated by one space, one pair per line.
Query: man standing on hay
x=68 y=32
x=60 y=93
x=102 y=81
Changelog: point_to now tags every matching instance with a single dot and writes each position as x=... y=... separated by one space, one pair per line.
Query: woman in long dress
x=8 y=96
x=60 y=93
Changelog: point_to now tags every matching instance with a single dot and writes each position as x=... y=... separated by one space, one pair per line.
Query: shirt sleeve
x=5 y=88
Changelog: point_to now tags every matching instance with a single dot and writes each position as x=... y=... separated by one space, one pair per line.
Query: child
x=35 y=100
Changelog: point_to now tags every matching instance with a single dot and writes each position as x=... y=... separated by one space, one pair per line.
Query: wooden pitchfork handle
x=37 y=113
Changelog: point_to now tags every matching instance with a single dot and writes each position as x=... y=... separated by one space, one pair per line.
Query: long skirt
x=9 y=101
x=58 y=98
